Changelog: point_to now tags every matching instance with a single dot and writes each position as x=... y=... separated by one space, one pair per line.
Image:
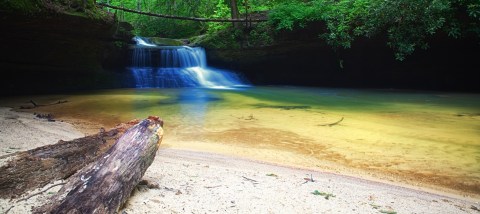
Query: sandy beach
x=200 y=182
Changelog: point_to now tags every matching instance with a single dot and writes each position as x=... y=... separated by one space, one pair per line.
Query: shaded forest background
x=426 y=44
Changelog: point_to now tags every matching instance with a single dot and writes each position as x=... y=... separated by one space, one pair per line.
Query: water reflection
x=193 y=104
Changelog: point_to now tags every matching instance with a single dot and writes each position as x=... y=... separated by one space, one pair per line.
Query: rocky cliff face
x=52 y=52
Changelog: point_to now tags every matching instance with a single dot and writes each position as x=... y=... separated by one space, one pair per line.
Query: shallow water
x=430 y=139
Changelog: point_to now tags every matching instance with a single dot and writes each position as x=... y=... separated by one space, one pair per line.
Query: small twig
x=331 y=124
x=169 y=189
x=9 y=209
x=38 y=193
x=250 y=117
x=34 y=104
x=251 y=180
x=308 y=179
x=38 y=105
x=236 y=117
x=210 y=187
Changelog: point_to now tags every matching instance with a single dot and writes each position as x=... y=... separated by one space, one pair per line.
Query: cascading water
x=177 y=66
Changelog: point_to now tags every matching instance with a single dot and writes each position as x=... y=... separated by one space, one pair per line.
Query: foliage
x=165 y=41
x=407 y=23
x=261 y=35
x=326 y=195
x=222 y=39
x=23 y=6
x=161 y=27
x=82 y=8
x=221 y=11
x=388 y=212
x=154 y=26
x=292 y=15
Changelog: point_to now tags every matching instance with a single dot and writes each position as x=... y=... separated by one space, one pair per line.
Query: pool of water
x=430 y=139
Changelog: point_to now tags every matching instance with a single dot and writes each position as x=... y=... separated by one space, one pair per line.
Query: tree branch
x=180 y=17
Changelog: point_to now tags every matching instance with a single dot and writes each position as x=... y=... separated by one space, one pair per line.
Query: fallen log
x=36 y=168
x=104 y=185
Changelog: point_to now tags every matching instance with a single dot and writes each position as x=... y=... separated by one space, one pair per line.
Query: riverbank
x=198 y=182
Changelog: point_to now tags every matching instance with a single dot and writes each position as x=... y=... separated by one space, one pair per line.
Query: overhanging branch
x=180 y=17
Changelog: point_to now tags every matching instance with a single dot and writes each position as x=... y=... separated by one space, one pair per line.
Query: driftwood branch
x=332 y=124
x=180 y=17
x=36 y=168
x=35 y=104
x=105 y=184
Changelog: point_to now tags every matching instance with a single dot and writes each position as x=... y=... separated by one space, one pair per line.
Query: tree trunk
x=104 y=185
x=37 y=167
x=234 y=12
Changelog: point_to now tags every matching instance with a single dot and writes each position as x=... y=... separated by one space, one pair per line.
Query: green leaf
x=326 y=195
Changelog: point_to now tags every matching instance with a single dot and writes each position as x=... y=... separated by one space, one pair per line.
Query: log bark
x=104 y=185
x=36 y=168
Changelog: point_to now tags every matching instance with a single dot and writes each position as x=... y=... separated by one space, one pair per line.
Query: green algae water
x=429 y=139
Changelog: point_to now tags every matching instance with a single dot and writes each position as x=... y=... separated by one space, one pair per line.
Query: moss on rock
x=166 y=41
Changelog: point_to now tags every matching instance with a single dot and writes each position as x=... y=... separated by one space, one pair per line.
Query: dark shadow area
x=448 y=65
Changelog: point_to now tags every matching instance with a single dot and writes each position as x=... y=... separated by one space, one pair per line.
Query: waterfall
x=177 y=66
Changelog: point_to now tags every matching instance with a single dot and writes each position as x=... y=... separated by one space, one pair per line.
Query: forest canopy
x=407 y=24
